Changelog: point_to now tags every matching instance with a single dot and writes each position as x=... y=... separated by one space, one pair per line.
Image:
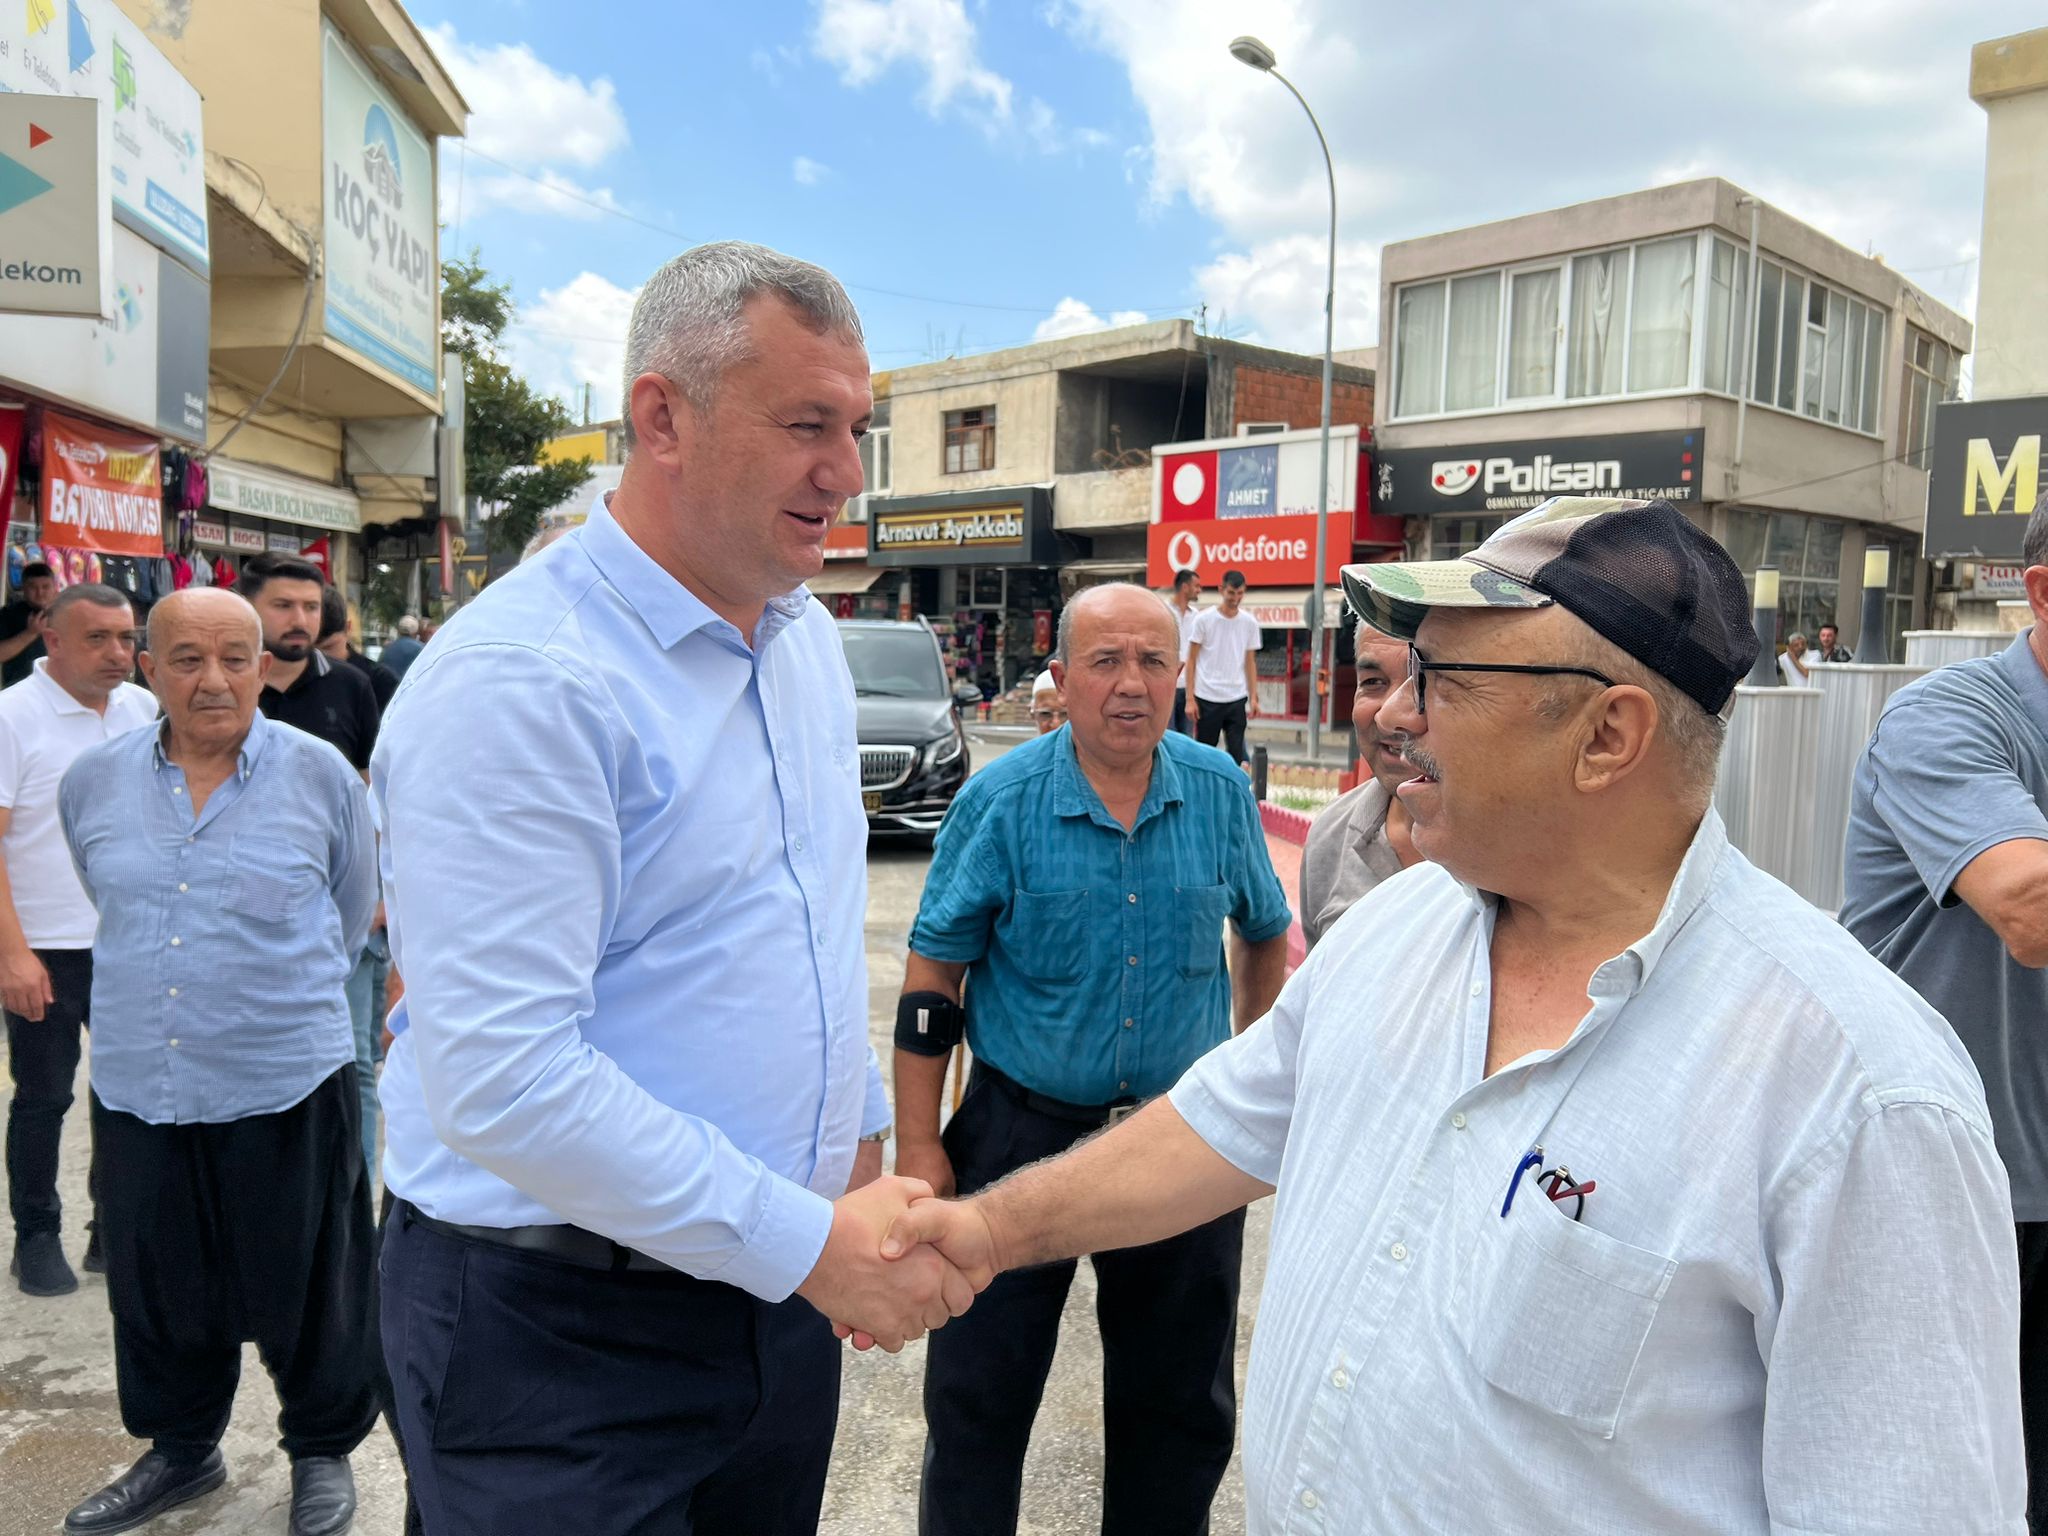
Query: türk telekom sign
x=1249 y=504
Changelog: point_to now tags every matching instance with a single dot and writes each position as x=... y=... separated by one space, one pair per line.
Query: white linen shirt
x=1791 y=1306
x=43 y=729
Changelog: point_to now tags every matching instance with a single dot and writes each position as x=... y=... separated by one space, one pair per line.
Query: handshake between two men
x=899 y=1262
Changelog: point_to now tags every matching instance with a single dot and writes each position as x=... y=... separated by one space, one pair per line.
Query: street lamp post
x=1249 y=50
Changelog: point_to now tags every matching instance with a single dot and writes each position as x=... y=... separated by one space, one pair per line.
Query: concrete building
x=1031 y=470
x=2009 y=79
x=1689 y=341
x=325 y=398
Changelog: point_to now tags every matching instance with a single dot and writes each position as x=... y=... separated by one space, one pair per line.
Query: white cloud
x=808 y=172
x=1442 y=117
x=866 y=38
x=1071 y=317
x=527 y=114
x=572 y=336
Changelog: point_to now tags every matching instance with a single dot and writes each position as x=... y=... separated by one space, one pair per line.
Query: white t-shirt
x=1793 y=678
x=1187 y=616
x=1219 y=670
x=43 y=730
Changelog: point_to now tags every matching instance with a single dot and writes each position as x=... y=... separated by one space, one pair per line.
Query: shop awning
x=1283 y=607
x=840 y=577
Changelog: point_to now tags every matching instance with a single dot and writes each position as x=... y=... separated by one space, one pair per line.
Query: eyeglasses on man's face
x=1419 y=670
x=1055 y=716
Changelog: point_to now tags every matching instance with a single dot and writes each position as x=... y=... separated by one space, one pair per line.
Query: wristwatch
x=882 y=1135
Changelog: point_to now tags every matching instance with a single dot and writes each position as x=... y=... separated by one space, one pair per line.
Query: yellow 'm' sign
x=2019 y=480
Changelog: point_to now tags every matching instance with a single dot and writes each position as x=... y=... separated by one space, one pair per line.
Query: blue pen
x=1533 y=1158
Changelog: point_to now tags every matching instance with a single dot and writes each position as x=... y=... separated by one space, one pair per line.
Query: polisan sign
x=1248 y=504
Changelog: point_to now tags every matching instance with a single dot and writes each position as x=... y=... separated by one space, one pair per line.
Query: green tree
x=504 y=422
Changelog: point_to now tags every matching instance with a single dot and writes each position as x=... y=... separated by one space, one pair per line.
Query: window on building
x=874 y=461
x=970 y=440
x=1808 y=554
x=1532 y=334
x=1727 y=312
x=1817 y=349
x=1930 y=379
x=1660 y=315
x=1472 y=351
x=1593 y=353
x=1419 y=350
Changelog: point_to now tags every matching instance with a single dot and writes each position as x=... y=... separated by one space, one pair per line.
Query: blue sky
x=1013 y=168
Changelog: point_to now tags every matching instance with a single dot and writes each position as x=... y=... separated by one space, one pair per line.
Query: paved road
x=60 y=1426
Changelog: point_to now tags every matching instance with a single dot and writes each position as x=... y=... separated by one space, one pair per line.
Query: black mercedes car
x=913 y=752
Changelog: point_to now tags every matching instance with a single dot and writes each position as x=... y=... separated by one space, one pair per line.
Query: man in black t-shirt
x=336 y=645
x=305 y=689
x=21 y=623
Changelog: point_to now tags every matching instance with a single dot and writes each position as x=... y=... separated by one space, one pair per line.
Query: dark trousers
x=1224 y=720
x=538 y=1395
x=42 y=1057
x=1168 y=1315
x=247 y=1229
x=1181 y=722
x=2033 y=1237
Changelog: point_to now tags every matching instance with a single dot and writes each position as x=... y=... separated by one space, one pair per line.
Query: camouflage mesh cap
x=1639 y=573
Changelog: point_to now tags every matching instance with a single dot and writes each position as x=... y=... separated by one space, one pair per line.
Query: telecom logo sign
x=56 y=227
x=1184 y=550
x=1272 y=551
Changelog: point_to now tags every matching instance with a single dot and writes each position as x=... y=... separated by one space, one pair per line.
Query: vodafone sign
x=1271 y=551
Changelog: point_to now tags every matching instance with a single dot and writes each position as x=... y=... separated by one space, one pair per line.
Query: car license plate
x=870 y=801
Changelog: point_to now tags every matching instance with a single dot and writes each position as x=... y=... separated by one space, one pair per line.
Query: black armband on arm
x=928 y=1023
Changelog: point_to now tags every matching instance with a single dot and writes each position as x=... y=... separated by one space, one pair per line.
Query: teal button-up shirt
x=1095 y=955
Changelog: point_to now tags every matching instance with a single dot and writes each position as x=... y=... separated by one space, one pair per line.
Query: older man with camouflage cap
x=1634 y=1196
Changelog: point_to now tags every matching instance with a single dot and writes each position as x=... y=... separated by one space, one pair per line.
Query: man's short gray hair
x=2034 y=547
x=689 y=323
x=1066 y=628
x=99 y=594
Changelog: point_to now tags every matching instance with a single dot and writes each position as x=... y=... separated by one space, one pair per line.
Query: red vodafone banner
x=11 y=419
x=1271 y=551
x=102 y=490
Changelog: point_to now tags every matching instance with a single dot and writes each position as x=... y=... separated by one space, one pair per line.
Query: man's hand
x=1194 y=708
x=25 y=985
x=926 y=1160
x=892 y=1302
x=958 y=1229
x=1251 y=707
x=867 y=1165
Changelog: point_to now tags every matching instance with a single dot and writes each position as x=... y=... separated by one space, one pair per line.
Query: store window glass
x=1532 y=335
x=1472 y=360
x=1450 y=537
x=1419 y=345
x=1593 y=351
x=1660 y=315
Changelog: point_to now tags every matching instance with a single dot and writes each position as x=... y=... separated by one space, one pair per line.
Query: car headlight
x=942 y=751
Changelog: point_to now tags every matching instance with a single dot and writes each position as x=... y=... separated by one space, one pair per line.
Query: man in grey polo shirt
x=1947 y=884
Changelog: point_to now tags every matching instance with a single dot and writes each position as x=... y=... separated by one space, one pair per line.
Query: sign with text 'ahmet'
x=1985 y=478
x=381 y=272
x=56 y=224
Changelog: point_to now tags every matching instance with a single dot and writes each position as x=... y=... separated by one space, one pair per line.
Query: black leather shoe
x=39 y=1265
x=153 y=1485
x=323 y=1496
x=95 y=1260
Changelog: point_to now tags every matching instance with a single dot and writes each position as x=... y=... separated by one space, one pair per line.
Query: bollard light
x=1765 y=617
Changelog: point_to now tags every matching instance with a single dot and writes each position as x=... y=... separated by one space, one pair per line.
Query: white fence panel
x=1932 y=648
x=1852 y=696
x=1764 y=793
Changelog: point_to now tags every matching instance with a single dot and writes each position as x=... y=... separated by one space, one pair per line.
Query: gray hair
x=98 y=593
x=1795 y=635
x=1694 y=735
x=409 y=625
x=1066 y=629
x=2034 y=547
x=689 y=323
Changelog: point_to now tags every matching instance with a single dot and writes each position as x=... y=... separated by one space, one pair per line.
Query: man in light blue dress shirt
x=632 y=1118
x=1619 y=1190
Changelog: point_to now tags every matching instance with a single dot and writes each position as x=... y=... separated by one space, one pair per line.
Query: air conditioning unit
x=1261 y=428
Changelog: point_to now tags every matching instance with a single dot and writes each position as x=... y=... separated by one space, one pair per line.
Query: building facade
x=999 y=484
x=1689 y=341
x=325 y=395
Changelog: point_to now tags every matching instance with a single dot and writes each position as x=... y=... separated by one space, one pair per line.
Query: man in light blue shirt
x=230 y=861
x=624 y=870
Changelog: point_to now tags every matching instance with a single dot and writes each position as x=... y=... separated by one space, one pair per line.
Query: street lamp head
x=1249 y=50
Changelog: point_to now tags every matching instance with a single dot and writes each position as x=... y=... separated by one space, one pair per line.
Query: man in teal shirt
x=1080 y=888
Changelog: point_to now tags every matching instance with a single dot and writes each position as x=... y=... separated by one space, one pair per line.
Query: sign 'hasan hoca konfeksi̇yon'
x=1510 y=477
x=1007 y=526
x=1985 y=478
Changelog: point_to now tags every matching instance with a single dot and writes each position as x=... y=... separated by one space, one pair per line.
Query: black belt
x=1060 y=1109
x=571 y=1244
